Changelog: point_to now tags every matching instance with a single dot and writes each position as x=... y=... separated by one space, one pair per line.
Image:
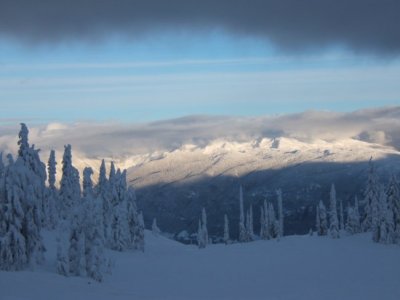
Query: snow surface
x=296 y=267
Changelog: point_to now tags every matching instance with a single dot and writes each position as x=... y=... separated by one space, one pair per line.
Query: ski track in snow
x=296 y=267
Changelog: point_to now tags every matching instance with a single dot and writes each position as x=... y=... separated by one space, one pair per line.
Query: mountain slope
x=174 y=185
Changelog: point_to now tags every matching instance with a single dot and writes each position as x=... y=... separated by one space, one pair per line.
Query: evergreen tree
x=341 y=216
x=262 y=223
x=250 y=225
x=273 y=226
x=242 y=228
x=375 y=215
x=140 y=243
x=384 y=232
x=267 y=232
x=333 y=219
x=13 y=251
x=103 y=193
x=323 y=230
x=371 y=199
x=70 y=190
x=76 y=250
x=393 y=198
x=93 y=230
x=154 y=228
x=280 y=212
x=52 y=202
x=226 y=230
x=62 y=239
x=200 y=236
x=317 y=220
x=357 y=216
x=204 y=224
x=119 y=227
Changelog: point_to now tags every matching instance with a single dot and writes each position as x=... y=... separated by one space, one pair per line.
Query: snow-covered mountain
x=174 y=185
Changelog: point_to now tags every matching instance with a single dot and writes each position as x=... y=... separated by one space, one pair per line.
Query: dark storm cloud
x=366 y=25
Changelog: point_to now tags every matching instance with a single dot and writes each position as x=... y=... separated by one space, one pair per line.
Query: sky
x=139 y=61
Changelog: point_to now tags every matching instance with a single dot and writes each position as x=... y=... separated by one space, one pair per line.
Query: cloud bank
x=362 y=25
x=122 y=141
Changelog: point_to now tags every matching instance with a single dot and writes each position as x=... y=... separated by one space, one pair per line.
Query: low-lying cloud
x=362 y=25
x=121 y=141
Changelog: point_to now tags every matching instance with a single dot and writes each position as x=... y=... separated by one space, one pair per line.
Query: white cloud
x=121 y=141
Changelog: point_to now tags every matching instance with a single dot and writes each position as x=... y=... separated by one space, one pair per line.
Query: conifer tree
x=70 y=190
x=140 y=243
x=242 y=228
x=13 y=251
x=267 y=232
x=93 y=230
x=357 y=216
x=280 y=212
x=154 y=228
x=204 y=225
x=103 y=193
x=393 y=198
x=52 y=194
x=333 y=219
x=323 y=229
x=317 y=220
x=371 y=199
x=273 y=223
x=200 y=236
x=262 y=223
x=341 y=216
x=226 y=230
x=250 y=225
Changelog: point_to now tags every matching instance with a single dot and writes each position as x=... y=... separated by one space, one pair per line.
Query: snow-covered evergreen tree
x=262 y=223
x=76 y=249
x=333 y=219
x=273 y=226
x=62 y=239
x=103 y=194
x=154 y=228
x=13 y=251
x=393 y=198
x=384 y=230
x=371 y=199
x=200 y=236
x=93 y=230
x=226 y=230
x=317 y=219
x=204 y=225
x=353 y=219
x=119 y=227
x=323 y=229
x=52 y=201
x=242 y=227
x=267 y=228
x=280 y=213
x=140 y=239
x=249 y=225
x=70 y=189
x=357 y=215
x=341 y=216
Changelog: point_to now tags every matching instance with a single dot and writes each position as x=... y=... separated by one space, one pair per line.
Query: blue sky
x=172 y=74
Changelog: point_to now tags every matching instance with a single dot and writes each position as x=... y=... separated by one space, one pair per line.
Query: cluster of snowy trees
x=380 y=212
x=87 y=219
x=271 y=226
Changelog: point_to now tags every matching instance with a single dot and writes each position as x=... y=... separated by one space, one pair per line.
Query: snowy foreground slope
x=297 y=267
